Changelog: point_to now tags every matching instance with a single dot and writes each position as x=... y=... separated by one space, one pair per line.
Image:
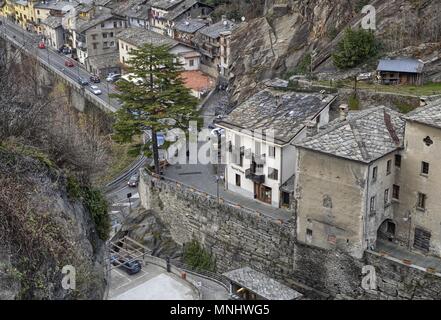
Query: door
x=263 y=193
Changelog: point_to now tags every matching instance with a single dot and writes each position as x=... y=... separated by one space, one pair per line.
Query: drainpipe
x=365 y=217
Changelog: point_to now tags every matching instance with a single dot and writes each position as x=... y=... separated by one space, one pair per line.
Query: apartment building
x=135 y=11
x=261 y=159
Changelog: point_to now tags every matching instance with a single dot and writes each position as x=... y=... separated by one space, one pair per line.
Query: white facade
x=276 y=164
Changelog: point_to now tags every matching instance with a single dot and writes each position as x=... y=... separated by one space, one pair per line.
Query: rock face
x=276 y=43
x=42 y=230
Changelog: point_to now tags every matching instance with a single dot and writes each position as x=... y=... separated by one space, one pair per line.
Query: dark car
x=133 y=181
x=129 y=265
x=94 y=78
x=83 y=82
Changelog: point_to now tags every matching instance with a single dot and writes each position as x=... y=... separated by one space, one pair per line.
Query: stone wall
x=239 y=238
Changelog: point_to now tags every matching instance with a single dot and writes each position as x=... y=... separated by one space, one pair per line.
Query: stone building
x=135 y=11
x=259 y=133
x=185 y=30
x=401 y=71
x=418 y=187
x=345 y=180
x=53 y=31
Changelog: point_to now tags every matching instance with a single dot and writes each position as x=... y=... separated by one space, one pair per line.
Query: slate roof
x=140 y=36
x=401 y=65
x=105 y=60
x=84 y=25
x=430 y=114
x=365 y=136
x=56 y=5
x=190 y=25
x=216 y=29
x=262 y=285
x=165 y=4
x=180 y=9
x=52 y=22
x=133 y=9
x=286 y=113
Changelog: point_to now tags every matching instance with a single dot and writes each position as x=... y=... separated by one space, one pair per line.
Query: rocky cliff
x=274 y=44
x=42 y=229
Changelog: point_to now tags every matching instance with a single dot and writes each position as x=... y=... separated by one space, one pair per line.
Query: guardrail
x=88 y=95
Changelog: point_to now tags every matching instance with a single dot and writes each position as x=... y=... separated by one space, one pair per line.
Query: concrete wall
x=240 y=238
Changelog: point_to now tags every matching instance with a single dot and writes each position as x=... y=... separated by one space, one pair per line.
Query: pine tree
x=158 y=97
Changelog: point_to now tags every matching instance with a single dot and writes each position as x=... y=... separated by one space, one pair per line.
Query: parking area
x=151 y=283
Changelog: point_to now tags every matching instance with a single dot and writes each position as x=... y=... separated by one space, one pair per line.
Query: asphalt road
x=56 y=60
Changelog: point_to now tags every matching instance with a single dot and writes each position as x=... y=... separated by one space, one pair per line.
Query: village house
x=50 y=8
x=261 y=159
x=400 y=71
x=208 y=43
x=94 y=31
x=345 y=180
x=134 y=38
x=185 y=30
x=417 y=219
x=165 y=14
x=135 y=11
x=53 y=31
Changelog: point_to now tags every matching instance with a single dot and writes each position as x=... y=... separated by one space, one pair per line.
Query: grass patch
x=353 y=102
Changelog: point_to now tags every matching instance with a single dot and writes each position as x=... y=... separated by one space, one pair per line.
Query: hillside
x=277 y=42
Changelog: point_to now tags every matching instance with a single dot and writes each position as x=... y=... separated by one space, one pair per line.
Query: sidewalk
x=202 y=177
x=402 y=253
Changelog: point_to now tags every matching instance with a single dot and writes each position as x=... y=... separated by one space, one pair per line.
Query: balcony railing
x=254 y=176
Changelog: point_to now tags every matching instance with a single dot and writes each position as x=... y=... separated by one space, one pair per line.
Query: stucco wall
x=240 y=238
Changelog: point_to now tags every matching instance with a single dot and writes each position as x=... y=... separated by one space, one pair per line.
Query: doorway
x=263 y=193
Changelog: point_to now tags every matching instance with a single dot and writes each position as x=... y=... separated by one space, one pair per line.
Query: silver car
x=95 y=90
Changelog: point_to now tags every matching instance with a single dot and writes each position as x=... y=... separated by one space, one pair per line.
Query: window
x=257 y=148
x=105 y=35
x=388 y=167
x=111 y=34
x=396 y=192
x=115 y=24
x=424 y=168
x=127 y=48
x=122 y=46
x=421 y=239
x=105 y=44
x=372 y=204
x=102 y=25
x=428 y=141
x=422 y=198
x=308 y=235
x=272 y=152
x=386 y=197
x=191 y=62
x=317 y=120
x=398 y=161
x=273 y=173
x=238 y=180
x=374 y=173
x=94 y=45
x=94 y=37
x=112 y=43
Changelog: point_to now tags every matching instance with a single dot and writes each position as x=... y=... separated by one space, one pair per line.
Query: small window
x=111 y=34
x=422 y=198
x=396 y=192
x=386 y=197
x=424 y=168
x=428 y=141
x=94 y=45
x=102 y=25
x=374 y=173
x=238 y=180
x=309 y=232
x=398 y=161
x=272 y=152
x=105 y=44
x=273 y=174
x=191 y=62
x=389 y=167
x=122 y=46
x=105 y=35
x=115 y=24
x=372 y=204
x=112 y=43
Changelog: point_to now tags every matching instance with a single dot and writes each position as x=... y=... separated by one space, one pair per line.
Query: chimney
x=344 y=110
x=311 y=128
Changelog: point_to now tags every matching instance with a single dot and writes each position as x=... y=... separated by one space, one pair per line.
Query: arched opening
x=386 y=231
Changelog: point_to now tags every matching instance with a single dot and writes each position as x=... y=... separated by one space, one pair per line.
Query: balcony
x=254 y=176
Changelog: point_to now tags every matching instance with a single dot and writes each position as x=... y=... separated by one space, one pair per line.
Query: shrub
x=197 y=257
x=354 y=102
x=357 y=46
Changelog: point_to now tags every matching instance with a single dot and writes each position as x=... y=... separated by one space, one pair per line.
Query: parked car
x=41 y=45
x=133 y=181
x=112 y=77
x=130 y=266
x=69 y=63
x=83 y=82
x=95 y=90
x=94 y=78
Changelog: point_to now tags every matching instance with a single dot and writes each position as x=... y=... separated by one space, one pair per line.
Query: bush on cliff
x=197 y=257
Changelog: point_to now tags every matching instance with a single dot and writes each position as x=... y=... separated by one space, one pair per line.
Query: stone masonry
x=239 y=238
